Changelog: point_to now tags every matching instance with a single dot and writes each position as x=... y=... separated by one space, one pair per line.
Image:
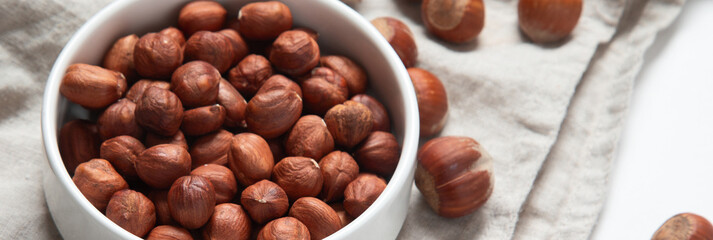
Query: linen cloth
x=549 y=115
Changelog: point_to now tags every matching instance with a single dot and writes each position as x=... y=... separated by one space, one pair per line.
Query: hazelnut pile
x=227 y=129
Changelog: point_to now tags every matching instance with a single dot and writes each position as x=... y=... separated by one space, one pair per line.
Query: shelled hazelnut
x=132 y=211
x=155 y=139
x=201 y=16
x=211 y=47
x=175 y=34
x=298 y=176
x=264 y=201
x=222 y=178
x=278 y=81
x=119 y=119
x=196 y=83
x=191 y=201
x=211 y=149
x=272 y=113
x=284 y=228
x=160 y=165
x=98 y=181
x=229 y=221
x=354 y=74
x=234 y=104
x=324 y=89
x=159 y=111
x=250 y=158
x=343 y=215
x=382 y=122
x=250 y=73
x=138 y=89
x=338 y=170
x=240 y=48
x=78 y=142
x=362 y=192
x=310 y=138
x=264 y=20
x=91 y=86
x=378 y=153
x=122 y=152
x=157 y=55
x=294 y=53
x=349 y=123
x=160 y=201
x=120 y=57
x=203 y=120
x=320 y=218
x=168 y=232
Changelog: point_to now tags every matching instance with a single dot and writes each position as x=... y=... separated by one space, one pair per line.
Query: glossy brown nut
x=160 y=201
x=250 y=158
x=264 y=201
x=400 y=37
x=211 y=149
x=454 y=21
x=122 y=152
x=132 y=211
x=201 y=16
x=168 y=232
x=349 y=70
x=432 y=101
x=211 y=47
x=203 y=120
x=277 y=148
x=320 y=218
x=362 y=192
x=160 y=165
x=155 y=139
x=343 y=215
x=119 y=119
x=175 y=34
x=311 y=32
x=240 y=48
x=196 y=83
x=222 y=179
x=323 y=90
x=455 y=175
x=120 y=57
x=278 y=81
x=298 y=176
x=138 y=89
x=78 y=142
x=378 y=153
x=157 y=56
x=159 y=111
x=338 y=170
x=191 y=201
x=250 y=73
x=545 y=21
x=284 y=228
x=310 y=138
x=234 y=104
x=98 y=181
x=264 y=20
x=229 y=221
x=382 y=122
x=294 y=53
x=92 y=87
x=349 y=123
x=685 y=226
x=272 y=113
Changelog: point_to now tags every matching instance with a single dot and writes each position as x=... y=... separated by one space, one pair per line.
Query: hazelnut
x=196 y=84
x=455 y=175
x=120 y=57
x=240 y=48
x=250 y=158
x=119 y=119
x=284 y=228
x=294 y=53
x=684 y=226
x=310 y=138
x=91 y=86
x=362 y=192
x=400 y=37
x=222 y=179
x=229 y=221
x=160 y=111
x=378 y=153
x=160 y=201
x=138 y=89
x=338 y=170
x=168 y=232
x=343 y=215
x=201 y=16
x=298 y=176
x=545 y=21
x=277 y=148
x=311 y=32
x=272 y=113
x=349 y=70
x=212 y=148
x=432 y=101
x=157 y=56
x=264 y=201
x=234 y=104
x=264 y=20
x=324 y=90
x=320 y=218
x=175 y=34
x=98 y=181
x=250 y=73
x=378 y=112
x=454 y=21
x=280 y=82
x=78 y=142
x=349 y=123
x=160 y=165
x=132 y=211
x=191 y=201
x=177 y=139
x=212 y=47
x=122 y=152
x=203 y=120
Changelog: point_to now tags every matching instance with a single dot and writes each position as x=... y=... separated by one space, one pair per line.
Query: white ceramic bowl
x=342 y=31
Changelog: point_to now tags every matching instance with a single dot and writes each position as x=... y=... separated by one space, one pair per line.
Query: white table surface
x=665 y=160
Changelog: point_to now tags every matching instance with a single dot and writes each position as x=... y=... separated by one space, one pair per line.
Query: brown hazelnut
x=311 y=32
x=212 y=148
x=454 y=21
x=229 y=221
x=168 y=232
x=277 y=148
x=240 y=48
x=201 y=16
x=160 y=165
x=284 y=228
x=323 y=90
x=685 y=226
x=91 y=86
x=157 y=56
x=203 y=120
x=298 y=176
x=362 y=192
x=400 y=37
x=272 y=113
x=378 y=112
x=278 y=81
x=98 y=181
x=264 y=201
x=310 y=138
x=338 y=170
x=250 y=73
x=175 y=34
x=343 y=215
x=234 y=104
x=191 y=201
x=119 y=119
x=432 y=101
x=349 y=70
x=212 y=47
x=250 y=158
x=132 y=211
x=349 y=123
x=120 y=57
x=455 y=175
x=545 y=21
x=222 y=179
x=378 y=153
x=160 y=201
x=159 y=111
x=138 y=89
x=155 y=139
x=78 y=142
x=320 y=218
x=122 y=152
x=264 y=20
x=196 y=83
x=294 y=53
